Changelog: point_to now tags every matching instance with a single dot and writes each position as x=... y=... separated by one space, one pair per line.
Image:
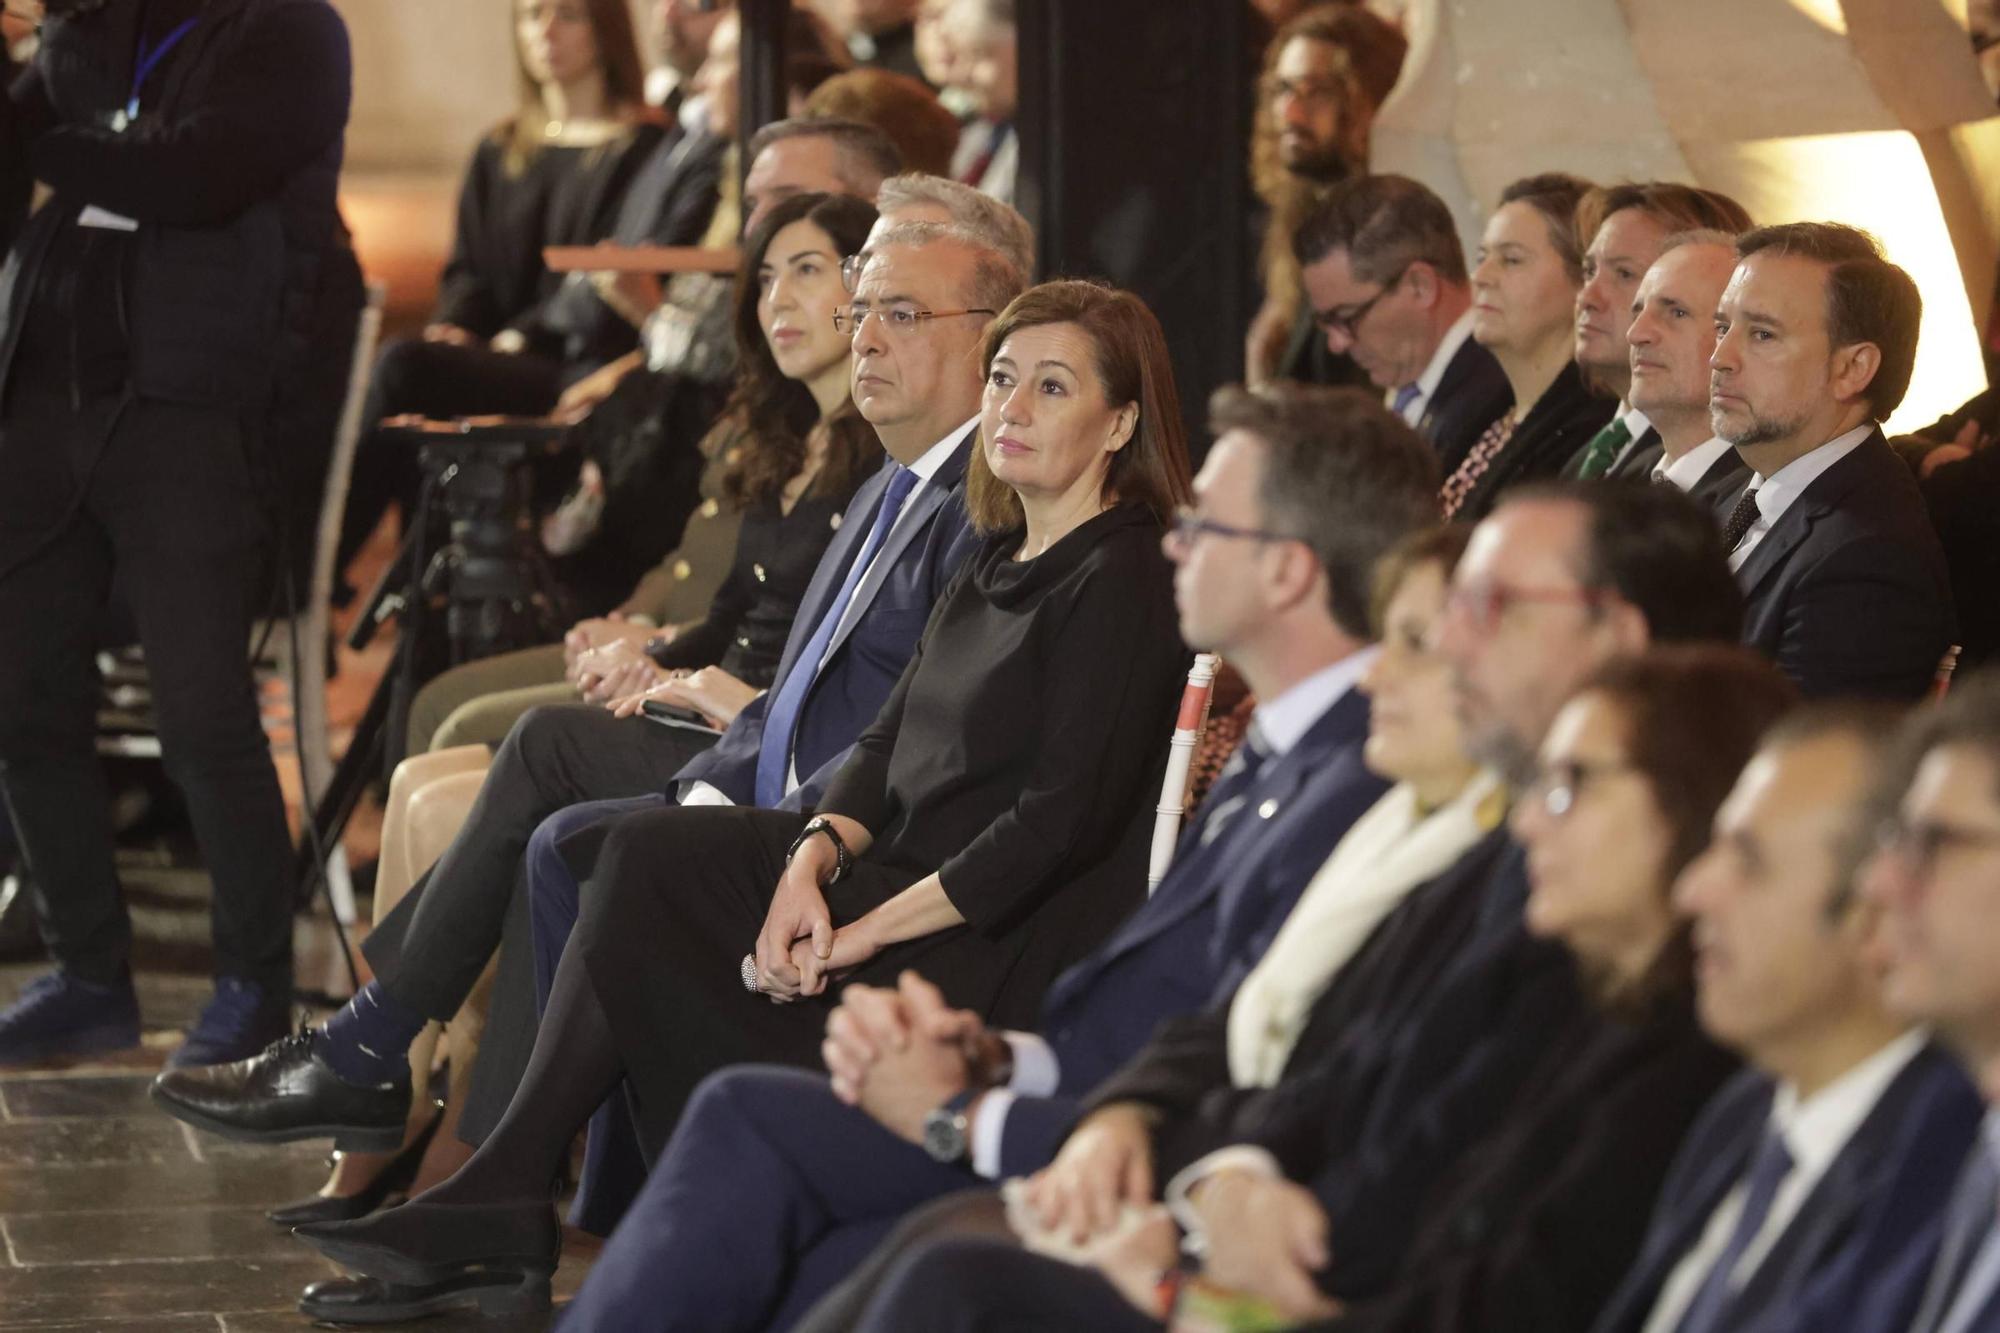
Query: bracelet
x=843 y=860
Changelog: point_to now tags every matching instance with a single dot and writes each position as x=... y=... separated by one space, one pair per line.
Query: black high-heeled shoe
x=394 y=1178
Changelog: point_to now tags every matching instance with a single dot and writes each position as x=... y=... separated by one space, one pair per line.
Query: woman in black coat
x=990 y=826
x=1524 y=291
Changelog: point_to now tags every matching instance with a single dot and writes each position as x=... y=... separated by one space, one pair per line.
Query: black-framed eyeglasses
x=1348 y=320
x=1483 y=607
x=898 y=319
x=1920 y=842
x=1188 y=527
x=1558 y=787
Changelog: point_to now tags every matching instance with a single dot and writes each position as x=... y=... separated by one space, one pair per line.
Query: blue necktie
x=1767 y=1173
x=1404 y=397
x=774 y=755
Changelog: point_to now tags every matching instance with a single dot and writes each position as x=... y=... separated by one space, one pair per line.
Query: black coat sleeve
x=277 y=104
x=465 y=295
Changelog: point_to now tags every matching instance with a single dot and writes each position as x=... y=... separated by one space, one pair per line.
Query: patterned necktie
x=1767 y=1172
x=1404 y=397
x=774 y=752
x=1741 y=519
x=1459 y=485
x=1602 y=451
x=1232 y=789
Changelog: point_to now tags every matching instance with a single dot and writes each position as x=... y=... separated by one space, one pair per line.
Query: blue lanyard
x=149 y=60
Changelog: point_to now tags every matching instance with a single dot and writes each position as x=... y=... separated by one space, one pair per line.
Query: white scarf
x=1389 y=851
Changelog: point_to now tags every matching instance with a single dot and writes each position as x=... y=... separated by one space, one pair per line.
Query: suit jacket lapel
x=914 y=519
x=1633 y=448
x=831 y=572
x=1821 y=497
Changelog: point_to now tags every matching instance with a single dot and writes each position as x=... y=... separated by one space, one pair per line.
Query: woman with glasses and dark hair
x=990 y=826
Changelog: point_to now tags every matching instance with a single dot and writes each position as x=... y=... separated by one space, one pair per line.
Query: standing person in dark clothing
x=989 y=827
x=552 y=174
x=192 y=149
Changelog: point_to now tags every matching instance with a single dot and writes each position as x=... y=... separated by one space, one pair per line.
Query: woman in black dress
x=553 y=173
x=989 y=828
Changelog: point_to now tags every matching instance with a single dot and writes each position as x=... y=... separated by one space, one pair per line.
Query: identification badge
x=105 y=219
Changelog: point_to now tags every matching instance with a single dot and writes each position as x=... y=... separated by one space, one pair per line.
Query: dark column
x=761 y=80
x=1134 y=128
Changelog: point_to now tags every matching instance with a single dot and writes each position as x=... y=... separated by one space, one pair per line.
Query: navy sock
x=368 y=1041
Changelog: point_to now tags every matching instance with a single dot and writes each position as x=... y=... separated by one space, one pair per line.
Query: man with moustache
x=1937 y=878
x=1385 y=278
x=1672 y=336
x=1633 y=223
x=1828 y=1161
x=1845 y=584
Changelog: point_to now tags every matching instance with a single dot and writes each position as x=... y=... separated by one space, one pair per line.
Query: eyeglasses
x=1557 y=787
x=850 y=271
x=1188 y=527
x=898 y=319
x=1347 y=322
x=1482 y=608
x=1920 y=842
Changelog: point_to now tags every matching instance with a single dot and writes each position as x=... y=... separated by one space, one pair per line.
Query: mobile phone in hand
x=674 y=715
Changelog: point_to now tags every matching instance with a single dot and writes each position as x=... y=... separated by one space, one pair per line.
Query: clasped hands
x=799 y=947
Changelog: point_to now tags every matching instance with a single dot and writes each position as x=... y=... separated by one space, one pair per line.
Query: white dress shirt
x=1282 y=723
x=1779 y=491
x=1815 y=1131
x=1427 y=383
x=1688 y=470
x=926 y=467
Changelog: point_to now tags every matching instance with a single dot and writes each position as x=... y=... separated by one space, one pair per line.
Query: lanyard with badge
x=144 y=63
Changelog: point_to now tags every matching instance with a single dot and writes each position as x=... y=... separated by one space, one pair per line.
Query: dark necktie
x=1741 y=519
x=1767 y=1172
x=774 y=754
x=1974 y=1207
x=1232 y=789
x=1602 y=451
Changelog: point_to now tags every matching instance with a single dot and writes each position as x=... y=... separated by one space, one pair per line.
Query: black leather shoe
x=287 y=1092
x=422 y=1244
x=367 y=1300
x=392 y=1180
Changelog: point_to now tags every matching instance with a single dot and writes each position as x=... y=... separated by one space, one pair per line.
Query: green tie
x=1603 y=449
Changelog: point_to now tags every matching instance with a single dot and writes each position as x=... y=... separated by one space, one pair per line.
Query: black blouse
x=1020 y=752
x=1559 y=423
x=752 y=612
x=565 y=195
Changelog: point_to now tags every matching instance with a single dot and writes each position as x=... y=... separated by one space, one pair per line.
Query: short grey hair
x=1699 y=236
x=995 y=281
x=998 y=225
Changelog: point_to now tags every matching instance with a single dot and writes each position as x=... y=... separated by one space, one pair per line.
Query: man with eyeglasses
x=1384 y=273
x=1937 y=881
x=1818 y=1175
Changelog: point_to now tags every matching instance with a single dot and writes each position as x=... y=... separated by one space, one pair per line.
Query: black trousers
x=167 y=518
x=431 y=948
x=437 y=380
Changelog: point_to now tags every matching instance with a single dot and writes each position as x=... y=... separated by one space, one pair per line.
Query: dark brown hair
x=903 y=108
x=1130 y=355
x=1342 y=474
x=1675 y=207
x=1385 y=224
x=618 y=58
x=1443 y=546
x=772 y=414
x=1692 y=715
x=1555 y=196
x=1868 y=299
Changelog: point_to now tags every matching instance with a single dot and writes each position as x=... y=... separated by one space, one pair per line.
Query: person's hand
x=909 y=1078
x=451 y=333
x=868 y=1021
x=509 y=342
x=633 y=295
x=1132 y=1260
x=580 y=399
x=1266 y=1238
x=853 y=945
x=1107 y=1162
x=600 y=630
x=798 y=912
x=716 y=695
x=607 y=662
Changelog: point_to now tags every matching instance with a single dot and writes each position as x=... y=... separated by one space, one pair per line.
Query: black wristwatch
x=843 y=860
x=947 y=1131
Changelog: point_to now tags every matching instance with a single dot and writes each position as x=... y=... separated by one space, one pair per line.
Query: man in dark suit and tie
x=1845 y=583
x=1304 y=490
x=1385 y=275
x=856 y=630
x=1828 y=1162
x=1937 y=878
x=1672 y=337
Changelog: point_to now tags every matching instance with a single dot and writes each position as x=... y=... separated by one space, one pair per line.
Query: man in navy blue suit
x=774 y=1185
x=1827 y=1163
x=1938 y=879
x=857 y=625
